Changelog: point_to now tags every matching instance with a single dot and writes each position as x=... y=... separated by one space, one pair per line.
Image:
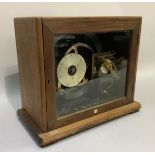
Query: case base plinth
x=71 y=129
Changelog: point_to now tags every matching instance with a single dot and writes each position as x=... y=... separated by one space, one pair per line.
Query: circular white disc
x=72 y=59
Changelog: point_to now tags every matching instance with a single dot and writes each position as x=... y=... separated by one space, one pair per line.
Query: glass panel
x=90 y=69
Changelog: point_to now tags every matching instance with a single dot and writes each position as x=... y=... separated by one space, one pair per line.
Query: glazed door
x=90 y=66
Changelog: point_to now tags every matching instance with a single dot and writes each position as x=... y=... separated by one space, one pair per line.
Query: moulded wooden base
x=71 y=129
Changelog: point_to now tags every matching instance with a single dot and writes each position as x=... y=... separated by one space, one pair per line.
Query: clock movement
x=75 y=73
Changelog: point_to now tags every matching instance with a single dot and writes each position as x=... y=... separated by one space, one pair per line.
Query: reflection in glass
x=90 y=69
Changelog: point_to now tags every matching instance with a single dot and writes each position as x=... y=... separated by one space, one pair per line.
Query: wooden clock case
x=34 y=36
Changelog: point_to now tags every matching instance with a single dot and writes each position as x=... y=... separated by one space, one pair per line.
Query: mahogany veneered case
x=75 y=72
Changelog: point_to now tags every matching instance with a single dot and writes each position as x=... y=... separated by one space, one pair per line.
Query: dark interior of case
x=98 y=89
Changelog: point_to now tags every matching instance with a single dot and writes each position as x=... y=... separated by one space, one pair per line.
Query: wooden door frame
x=56 y=26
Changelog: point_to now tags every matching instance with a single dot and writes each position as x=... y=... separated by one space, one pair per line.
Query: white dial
x=71 y=69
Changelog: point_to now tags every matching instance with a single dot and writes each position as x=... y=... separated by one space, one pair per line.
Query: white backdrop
x=132 y=133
